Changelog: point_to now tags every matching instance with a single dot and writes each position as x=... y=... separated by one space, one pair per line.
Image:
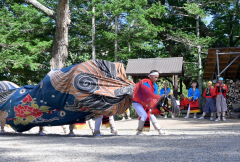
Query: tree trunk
x=129 y=45
x=93 y=33
x=60 y=43
x=116 y=42
x=129 y=37
x=199 y=62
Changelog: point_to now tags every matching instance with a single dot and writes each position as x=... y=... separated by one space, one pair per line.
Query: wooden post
x=181 y=81
x=175 y=86
x=173 y=83
x=134 y=79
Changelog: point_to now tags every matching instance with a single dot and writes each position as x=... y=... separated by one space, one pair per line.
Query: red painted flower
x=28 y=98
x=24 y=111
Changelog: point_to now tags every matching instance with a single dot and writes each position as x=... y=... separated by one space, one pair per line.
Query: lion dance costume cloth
x=66 y=96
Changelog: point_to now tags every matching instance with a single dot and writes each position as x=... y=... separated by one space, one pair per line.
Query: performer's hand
x=196 y=98
x=224 y=88
x=218 y=84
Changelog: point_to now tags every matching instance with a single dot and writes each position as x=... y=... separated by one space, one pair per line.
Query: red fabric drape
x=146 y=97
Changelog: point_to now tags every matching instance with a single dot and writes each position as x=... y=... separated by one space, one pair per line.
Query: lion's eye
x=85 y=83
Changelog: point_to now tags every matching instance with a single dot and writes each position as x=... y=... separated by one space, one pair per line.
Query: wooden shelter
x=167 y=67
x=223 y=62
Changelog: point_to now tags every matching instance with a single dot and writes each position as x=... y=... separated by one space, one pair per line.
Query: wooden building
x=167 y=67
x=225 y=62
x=222 y=62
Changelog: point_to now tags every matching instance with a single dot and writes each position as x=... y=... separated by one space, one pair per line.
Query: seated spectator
x=184 y=102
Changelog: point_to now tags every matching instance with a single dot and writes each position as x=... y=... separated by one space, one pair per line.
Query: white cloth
x=154 y=73
x=112 y=123
x=142 y=113
x=178 y=103
x=98 y=122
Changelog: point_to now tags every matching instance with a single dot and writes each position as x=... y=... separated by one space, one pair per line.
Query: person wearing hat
x=210 y=107
x=221 y=92
x=194 y=95
x=166 y=91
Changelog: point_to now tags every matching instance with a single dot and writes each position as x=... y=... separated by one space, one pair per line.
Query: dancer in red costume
x=145 y=98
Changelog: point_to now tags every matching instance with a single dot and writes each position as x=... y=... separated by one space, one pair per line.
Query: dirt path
x=188 y=140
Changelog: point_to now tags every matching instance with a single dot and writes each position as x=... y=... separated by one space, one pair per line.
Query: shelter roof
x=166 y=67
x=226 y=56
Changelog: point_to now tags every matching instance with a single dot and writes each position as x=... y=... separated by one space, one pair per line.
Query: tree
x=25 y=40
x=116 y=41
x=59 y=53
x=225 y=24
x=93 y=31
x=145 y=28
x=183 y=37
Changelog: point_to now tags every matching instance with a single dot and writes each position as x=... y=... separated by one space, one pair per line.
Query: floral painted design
x=25 y=111
x=28 y=111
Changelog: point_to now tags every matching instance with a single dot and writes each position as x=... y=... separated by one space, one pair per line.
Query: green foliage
x=226 y=24
x=194 y=9
x=25 y=39
x=136 y=34
x=146 y=29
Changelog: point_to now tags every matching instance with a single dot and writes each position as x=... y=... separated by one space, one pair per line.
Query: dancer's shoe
x=97 y=133
x=161 y=132
x=115 y=132
x=140 y=133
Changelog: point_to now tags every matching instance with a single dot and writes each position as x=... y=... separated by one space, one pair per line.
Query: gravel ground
x=188 y=140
